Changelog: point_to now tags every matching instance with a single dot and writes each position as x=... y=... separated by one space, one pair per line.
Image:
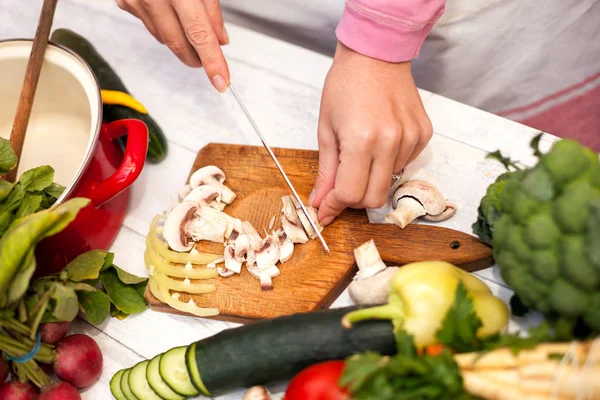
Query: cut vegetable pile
x=176 y=267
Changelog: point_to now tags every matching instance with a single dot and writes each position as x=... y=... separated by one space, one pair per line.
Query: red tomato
x=318 y=382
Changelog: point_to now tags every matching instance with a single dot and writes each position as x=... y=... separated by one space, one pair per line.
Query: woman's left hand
x=372 y=123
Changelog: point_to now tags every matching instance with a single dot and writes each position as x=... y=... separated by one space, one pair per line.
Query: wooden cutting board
x=311 y=279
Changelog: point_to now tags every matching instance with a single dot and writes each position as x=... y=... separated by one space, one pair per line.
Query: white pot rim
x=54 y=53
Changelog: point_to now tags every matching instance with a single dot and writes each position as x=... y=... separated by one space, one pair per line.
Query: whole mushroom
x=214 y=176
x=418 y=198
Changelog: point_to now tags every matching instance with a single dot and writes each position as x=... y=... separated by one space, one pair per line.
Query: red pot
x=66 y=131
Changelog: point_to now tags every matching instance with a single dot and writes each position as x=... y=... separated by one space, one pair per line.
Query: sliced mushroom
x=265 y=276
x=212 y=175
x=224 y=272
x=372 y=290
x=291 y=223
x=368 y=260
x=255 y=242
x=183 y=192
x=205 y=195
x=242 y=246
x=418 y=198
x=257 y=393
x=188 y=223
x=286 y=246
x=235 y=231
x=268 y=253
x=304 y=219
x=231 y=261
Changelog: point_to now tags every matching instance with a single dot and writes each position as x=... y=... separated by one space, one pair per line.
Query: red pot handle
x=133 y=160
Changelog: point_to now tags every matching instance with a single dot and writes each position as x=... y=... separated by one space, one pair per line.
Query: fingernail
x=311 y=198
x=219 y=83
x=226 y=35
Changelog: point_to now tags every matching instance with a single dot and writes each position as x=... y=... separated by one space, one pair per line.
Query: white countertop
x=281 y=85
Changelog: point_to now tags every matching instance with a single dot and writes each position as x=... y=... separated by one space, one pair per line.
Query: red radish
x=52 y=332
x=15 y=390
x=78 y=360
x=59 y=391
x=4 y=370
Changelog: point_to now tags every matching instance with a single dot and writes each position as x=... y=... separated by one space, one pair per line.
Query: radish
x=4 y=370
x=59 y=391
x=78 y=360
x=15 y=390
x=52 y=332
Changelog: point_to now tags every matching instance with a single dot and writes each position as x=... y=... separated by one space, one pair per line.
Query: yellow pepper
x=122 y=99
x=421 y=294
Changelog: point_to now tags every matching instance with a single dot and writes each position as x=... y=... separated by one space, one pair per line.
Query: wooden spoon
x=32 y=75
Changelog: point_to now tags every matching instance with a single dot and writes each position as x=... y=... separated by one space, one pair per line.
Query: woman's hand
x=192 y=29
x=371 y=124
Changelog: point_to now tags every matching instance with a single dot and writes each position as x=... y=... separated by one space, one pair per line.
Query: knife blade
x=287 y=181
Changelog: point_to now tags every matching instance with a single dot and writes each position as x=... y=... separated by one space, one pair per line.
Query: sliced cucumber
x=115 y=386
x=138 y=383
x=156 y=382
x=125 y=386
x=174 y=372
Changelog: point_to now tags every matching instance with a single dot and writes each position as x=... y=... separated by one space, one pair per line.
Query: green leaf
x=123 y=296
x=405 y=344
x=20 y=282
x=81 y=287
x=108 y=261
x=359 y=369
x=96 y=306
x=37 y=178
x=535 y=145
x=29 y=205
x=8 y=157
x=24 y=234
x=126 y=277
x=5 y=189
x=86 y=266
x=66 y=305
x=54 y=190
x=13 y=200
x=141 y=287
x=459 y=327
x=114 y=312
x=6 y=219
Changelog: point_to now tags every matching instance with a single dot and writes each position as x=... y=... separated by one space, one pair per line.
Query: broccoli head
x=546 y=234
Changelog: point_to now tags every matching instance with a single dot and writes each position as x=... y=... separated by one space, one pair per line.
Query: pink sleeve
x=389 y=30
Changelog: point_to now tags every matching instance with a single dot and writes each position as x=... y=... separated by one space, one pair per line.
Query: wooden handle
x=32 y=74
x=418 y=242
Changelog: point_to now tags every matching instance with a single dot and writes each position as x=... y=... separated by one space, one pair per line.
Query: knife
x=264 y=142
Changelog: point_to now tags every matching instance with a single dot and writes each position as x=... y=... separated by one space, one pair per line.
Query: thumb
x=328 y=165
x=331 y=207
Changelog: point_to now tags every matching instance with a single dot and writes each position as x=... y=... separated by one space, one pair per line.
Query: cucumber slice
x=138 y=383
x=156 y=382
x=174 y=372
x=125 y=386
x=115 y=386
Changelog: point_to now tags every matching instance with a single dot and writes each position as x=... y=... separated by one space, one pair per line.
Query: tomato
x=318 y=382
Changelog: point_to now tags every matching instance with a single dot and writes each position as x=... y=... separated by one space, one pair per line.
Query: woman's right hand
x=192 y=29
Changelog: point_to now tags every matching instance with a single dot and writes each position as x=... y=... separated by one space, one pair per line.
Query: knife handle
x=418 y=242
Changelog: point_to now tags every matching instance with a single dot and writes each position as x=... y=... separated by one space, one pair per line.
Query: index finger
x=350 y=184
x=198 y=29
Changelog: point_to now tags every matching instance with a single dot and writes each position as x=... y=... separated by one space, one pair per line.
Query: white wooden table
x=281 y=85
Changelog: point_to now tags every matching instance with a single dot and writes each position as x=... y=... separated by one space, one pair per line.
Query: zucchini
x=125 y=386
x=109 y=80
x=115 y=386
x=139 y=385
x=277 y=349
x=173 y=371
x=156 y=382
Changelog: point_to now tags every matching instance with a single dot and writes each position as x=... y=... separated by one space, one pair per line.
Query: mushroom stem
x=407 y=210
x=368 y=260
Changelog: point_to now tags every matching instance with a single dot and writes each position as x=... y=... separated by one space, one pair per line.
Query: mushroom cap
x=424 y=192
x=207 y=175
x=268 y=253
x=173 y=230
x=184 y=191
x=373 y=290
